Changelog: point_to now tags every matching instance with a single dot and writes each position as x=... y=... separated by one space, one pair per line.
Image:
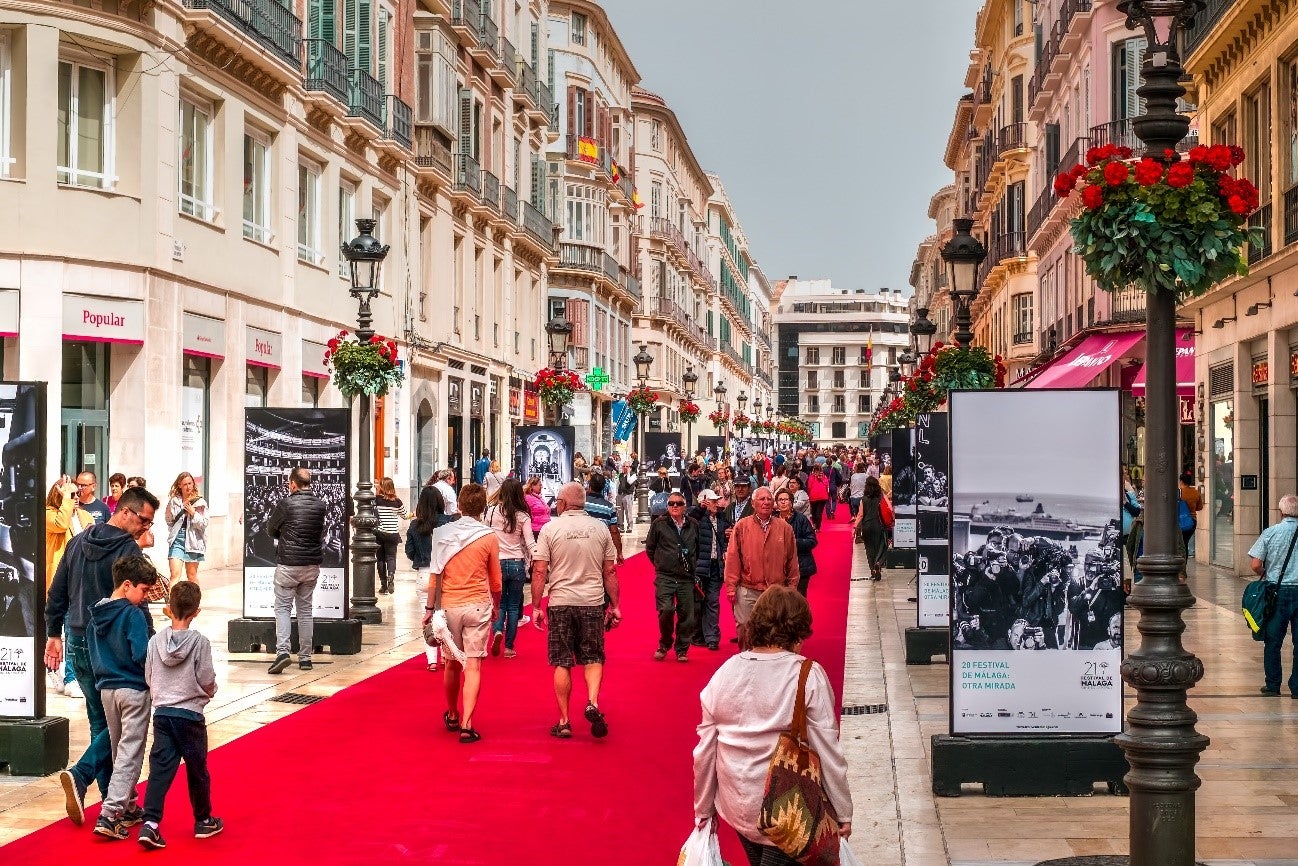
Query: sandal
x=469 y=735
x=451 y=721
x=598 y=727
x=562 y=731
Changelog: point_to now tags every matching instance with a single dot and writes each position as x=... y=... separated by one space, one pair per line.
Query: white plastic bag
x=845 y=855
x=701 y=848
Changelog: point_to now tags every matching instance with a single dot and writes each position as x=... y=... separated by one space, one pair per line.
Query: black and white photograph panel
x=547 y=453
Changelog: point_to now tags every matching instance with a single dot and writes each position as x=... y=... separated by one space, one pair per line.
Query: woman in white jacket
x=746 y=706
x=186 y=527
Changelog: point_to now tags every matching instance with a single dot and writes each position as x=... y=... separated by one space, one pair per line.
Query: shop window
x=195 y=406
x=311 y=392
x=256 y=387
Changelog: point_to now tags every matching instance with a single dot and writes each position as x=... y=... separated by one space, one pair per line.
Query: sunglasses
x=145 y=522
x=677 y=504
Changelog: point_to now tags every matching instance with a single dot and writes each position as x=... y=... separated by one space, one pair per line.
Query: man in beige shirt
x=575 y=556
x=762 y=553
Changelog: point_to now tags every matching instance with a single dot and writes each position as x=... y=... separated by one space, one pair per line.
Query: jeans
x=96 y=763
x=831 y=507
x=175 y=738
x=387 y=559
x=513 y=577
x=853 y=505
x=627 y=518
x=1284 y=620
x=675 y=602
x=709 y=630
x=294 y=587
x=127 y=711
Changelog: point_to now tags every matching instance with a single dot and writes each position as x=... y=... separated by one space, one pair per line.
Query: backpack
x=658 y=504
x=1184 y=516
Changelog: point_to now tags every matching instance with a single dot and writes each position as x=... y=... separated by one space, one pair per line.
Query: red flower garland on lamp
x=741 y=422
x=642 y=399
x=363 y=368
x=556 y=387
x=689 y=411
x=718 y=418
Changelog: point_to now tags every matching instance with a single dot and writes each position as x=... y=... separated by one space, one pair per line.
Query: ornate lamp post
x=1160 y=742
x=719 y=392
x=364 y=255
x=559 y=331
x=922 y=330
x=963 y=254
x=691 y=381
x=643 y=361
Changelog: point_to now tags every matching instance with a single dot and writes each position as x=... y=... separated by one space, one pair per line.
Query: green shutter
x=365 y=36
x=538 y=183
x=381 y=57
x=323 y=21
x=466 y=122
x=350 y=13
x=536 y=46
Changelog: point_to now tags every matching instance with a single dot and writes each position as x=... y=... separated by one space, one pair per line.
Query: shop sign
x=515 y=401
x=103 y=320
x=9 y=313
x=203 y=336
x=475 y=400
x=313 y=363
x=1187 y=409
x=454 y=403
x=264 y=349
x=1293 y=364
x=1262 y=372
x=531 y=407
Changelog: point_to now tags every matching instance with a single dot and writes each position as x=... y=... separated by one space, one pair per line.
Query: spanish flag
x=636 y=200
x=617 y=172
x=588 y=150
x=869 y=353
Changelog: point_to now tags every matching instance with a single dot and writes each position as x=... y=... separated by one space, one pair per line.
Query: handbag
x=796 y=814
x=1259 y=599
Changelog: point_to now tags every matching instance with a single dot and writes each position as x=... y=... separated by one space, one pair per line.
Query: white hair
x=1289 y=505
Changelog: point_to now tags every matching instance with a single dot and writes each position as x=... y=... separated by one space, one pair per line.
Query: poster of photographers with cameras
x=22 y=548
x=1036 y=566
x=932 y=504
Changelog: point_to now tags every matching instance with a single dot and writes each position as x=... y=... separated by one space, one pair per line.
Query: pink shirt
x=540 y=512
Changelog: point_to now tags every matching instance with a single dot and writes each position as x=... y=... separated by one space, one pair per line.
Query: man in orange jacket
x=762 y=553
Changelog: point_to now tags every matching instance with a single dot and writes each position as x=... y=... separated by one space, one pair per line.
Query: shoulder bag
x=1260 y=596
x=796 y=813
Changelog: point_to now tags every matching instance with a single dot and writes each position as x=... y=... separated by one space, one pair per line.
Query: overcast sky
x=826 y=120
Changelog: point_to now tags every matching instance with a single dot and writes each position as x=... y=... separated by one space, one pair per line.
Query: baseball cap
x=710 y=495
x=743 y=481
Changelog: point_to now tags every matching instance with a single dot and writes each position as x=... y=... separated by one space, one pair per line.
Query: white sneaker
x=524 y=619
x=73 y=690
x=54 y=682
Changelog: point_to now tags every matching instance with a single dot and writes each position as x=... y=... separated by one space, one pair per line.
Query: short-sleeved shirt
x=576 y=545
x=96 y=509
x=1271 y=547
x=601 y=509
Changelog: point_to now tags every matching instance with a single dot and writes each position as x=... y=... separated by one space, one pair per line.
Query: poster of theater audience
x=933 y=520
x=711 y=447
x=546 y=452
x=1036 y=572
x=22 y=550
x=903 y=488
x=276 y=441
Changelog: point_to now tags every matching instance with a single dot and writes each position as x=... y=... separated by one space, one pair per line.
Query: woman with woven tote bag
x=770 y=728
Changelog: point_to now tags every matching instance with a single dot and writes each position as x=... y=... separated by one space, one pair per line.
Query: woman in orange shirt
x=466 y=563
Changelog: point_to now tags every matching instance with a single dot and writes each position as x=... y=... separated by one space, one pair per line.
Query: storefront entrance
x=84 y=396
x=1221 y=482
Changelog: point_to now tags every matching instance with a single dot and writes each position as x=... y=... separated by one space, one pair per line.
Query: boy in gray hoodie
x=182 y=680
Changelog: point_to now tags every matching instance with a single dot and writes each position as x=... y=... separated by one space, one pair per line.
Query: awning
x=1184 y=366
x=1089 y=359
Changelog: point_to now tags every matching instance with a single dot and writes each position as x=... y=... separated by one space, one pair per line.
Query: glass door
x=85 y=444
x=1222 y=483
x=84 y=402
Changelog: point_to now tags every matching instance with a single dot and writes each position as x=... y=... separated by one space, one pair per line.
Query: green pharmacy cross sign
x=597 y=379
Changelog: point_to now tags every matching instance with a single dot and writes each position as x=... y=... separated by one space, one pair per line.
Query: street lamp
x=1160 y=742
x=364 y=255
x=963 y=254
x=559 y=332
x=691 y=380
x=719 y=392
x=643 y=361
x=922 y=329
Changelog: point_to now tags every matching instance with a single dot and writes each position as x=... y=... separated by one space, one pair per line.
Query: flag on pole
x=869 y=352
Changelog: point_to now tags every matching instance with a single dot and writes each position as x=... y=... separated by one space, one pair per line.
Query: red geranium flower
x=1092 y=197
x=1168 y=153
x=1199 y=153
x=1236 y=155
x=1124 y=152
x=1064 y=184
x=1238 y=205
x=1180 y=175
x=1219 y=157
x=1149 y=172
x=1115 y=173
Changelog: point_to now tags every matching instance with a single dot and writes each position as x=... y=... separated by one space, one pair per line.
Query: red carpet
x=370 y=776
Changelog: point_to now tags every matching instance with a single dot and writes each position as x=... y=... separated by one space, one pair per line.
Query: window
x=813 y=355
x=1257 y=140
x=1289 y=106
x=656 y=135
x=310 y=392
x=195 y=159
x=195 y=405
x=840 y=379
x=436 y=89
x=585 y=214
x=256 y=386
x=256 y=188
x=1128 y=55
x=840 y=404
x=1021 y=312
x=862 y=403
x=813 y=380
x=865 y=355
x=308 y=214
x=85 y=112
x=6 y=108
x=655 y=200
x=578 y=29
x=346 y=223
x=838 y=429
x=839 y=355
x=813 y=404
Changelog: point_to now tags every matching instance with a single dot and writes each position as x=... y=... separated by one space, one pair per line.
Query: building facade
x=837 y=349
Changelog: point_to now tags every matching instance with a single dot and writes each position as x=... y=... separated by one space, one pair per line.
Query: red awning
x=1184 y=366
x=1089 y=359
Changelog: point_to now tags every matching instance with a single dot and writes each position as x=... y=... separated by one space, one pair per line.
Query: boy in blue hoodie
x=119 y=644
x=182 y=680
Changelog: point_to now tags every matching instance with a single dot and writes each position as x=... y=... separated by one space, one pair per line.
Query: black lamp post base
x=1048 y=766
x=34 y=747
x=924 y=643
x=249 y=635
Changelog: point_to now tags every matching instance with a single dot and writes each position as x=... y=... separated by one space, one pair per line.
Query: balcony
x=1291 y=215
x=465 y=15
x=326 y=70
x=525 y=83
x=666 y=308
x=1012 y=137
x=1261 y=217
x=491 y=190
x=468 y=175
x=399 y=127
x=592 y=259
x=1021 y=337
x=1121 y=133
x=366 y=98
x=510 y=205
x=488 y=34
x=1203 y=24
x=1009 y=245
x=1126 y=307
x=430 y=152
x=1046 y=201
x=538 y=226
x=1060 y=42
x=269 y=24
x=506 y=68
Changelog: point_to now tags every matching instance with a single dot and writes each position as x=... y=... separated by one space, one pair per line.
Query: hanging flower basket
x=642 y=399
x=1177 y=225
x=556 y=387
x=363 y=368
x=741 y=422
x=718 y=418
x=689 y=411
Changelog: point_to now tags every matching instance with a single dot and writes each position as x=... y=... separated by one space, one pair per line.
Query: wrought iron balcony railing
x=1203 y=24
x=271 y=24
x=538 y=226
x=1012 y=136
x=509 y=204
x=1261 y=217
x=366 y=98
x=400 y=127
x=326 y=70
x=1291 y=215
x=491 y=190
x=468 y=174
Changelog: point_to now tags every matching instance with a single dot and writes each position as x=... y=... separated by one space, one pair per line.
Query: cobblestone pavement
x=1250 y=772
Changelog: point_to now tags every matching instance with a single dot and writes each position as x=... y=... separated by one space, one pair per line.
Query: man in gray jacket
x=298 y=526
